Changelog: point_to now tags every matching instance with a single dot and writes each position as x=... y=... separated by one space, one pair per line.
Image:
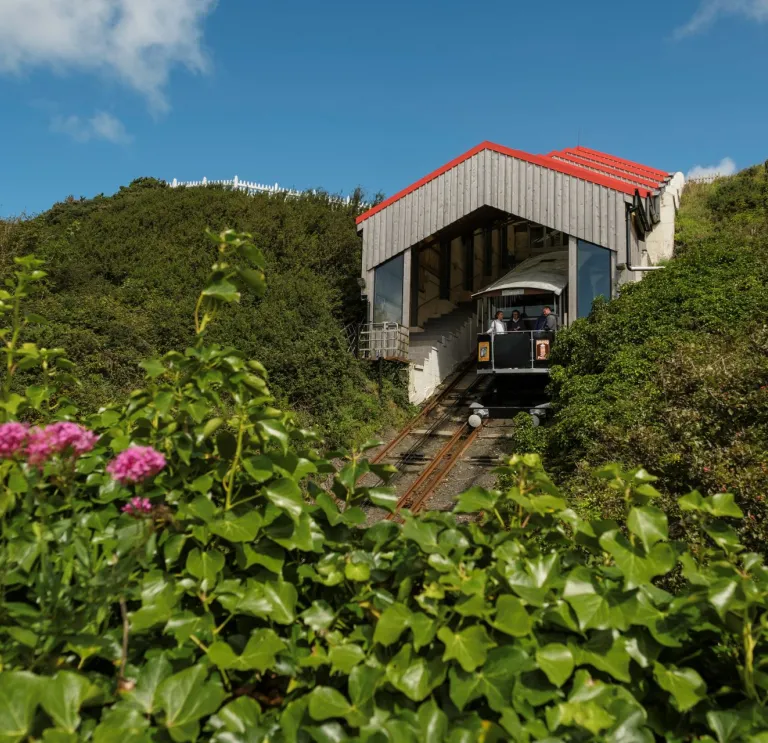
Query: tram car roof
x=547 y=272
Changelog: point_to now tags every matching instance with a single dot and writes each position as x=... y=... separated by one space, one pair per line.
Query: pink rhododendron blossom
x=58 y=438
x=136 y=464
x=138 y=506
x=12 y=438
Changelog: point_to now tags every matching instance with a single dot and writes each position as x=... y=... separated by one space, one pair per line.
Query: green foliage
x=247 y=603
x=122 y=281
x=674 y=373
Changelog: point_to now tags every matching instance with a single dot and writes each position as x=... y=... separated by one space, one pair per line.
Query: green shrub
x=122 y=279
x=674 y=373
x=230 y=596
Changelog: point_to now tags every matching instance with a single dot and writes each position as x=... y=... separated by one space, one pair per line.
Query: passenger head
x=515 y=314
x=499 y=315
x=547 y=310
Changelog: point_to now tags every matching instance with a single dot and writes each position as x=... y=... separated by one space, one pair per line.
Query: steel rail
x=443 y=463
x=425 y=411
x=453 y=458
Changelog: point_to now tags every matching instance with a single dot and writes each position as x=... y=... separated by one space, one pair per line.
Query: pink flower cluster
x=58 y=438
x=39 y=445
x=136 y=464
x=13 y=436
x=138 y=506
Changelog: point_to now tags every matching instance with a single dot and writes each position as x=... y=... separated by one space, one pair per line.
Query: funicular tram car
x=538 y=282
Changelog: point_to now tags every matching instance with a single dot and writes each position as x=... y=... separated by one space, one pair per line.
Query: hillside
x=124 y=272
x=673 y=375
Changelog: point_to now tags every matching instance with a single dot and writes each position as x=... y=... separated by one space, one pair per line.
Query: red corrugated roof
x=599 y=161
x=618 y=162
x=640 y=180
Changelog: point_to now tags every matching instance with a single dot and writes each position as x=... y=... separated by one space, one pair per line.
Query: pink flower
x=58 y=438
x=136 y=464
x=138 y=506
x=12 y=438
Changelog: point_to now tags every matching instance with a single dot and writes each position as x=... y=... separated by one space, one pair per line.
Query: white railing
x=705 y=179
x=386 y=340
x=252 y=187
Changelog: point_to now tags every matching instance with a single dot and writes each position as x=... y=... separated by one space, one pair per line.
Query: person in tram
x=547 y=321
x=515 y=324
x=497 y=325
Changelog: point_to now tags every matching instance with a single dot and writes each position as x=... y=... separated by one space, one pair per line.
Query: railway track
x=442 y=418
x=417 y=494
x=427 y=450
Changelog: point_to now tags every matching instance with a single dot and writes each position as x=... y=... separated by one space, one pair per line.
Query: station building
x=428 y=248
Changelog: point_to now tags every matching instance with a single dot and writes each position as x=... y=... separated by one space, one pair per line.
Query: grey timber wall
x=558 y=201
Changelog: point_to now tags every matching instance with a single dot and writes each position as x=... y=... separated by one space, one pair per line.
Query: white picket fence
x=251 y=187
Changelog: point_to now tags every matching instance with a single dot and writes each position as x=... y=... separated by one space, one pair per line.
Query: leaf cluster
x=252 y=605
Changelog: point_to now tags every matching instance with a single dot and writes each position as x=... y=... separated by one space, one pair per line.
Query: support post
x=573 y=279
x=405 y=320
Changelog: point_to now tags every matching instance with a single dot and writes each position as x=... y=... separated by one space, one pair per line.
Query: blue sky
x=341 y=94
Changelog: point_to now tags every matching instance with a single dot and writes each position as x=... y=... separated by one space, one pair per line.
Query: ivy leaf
x=153 y=367
x=726 y=725
x=556 y=660
x=649 y=524
x=325 y=703
x=20 y=693
x=286 y=494
x=63 y=697
x=222 y=290
x=205 y=566
x=152 y=674
x=345 y=657
x=684 y=684
x=238 y=716
x=254 y=279
x=476 y=499
x=469 y=647
x=589 y=714
x=124 y=724
x=416 y=677
x=498 y=675
x=319 y=616
x=512 y=617
x=260 y=468
x=259 y=654
x=283 y=597
x=392 y=623
x=237 y=528
x=637 y=568
x=433 y=723
x=383 y=498
x=272 y=429
x=424 y=629
x=592 y=608
x=464 y=687
x=424 y=533
x=722 y=505
x=185 y=698
x=363 y=681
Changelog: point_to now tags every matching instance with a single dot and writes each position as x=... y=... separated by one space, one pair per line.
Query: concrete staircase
x=445 y=342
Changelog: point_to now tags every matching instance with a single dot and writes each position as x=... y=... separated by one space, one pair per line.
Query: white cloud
x=138 y=41
x=101 y=126
x=725 y=167
x=710 y=10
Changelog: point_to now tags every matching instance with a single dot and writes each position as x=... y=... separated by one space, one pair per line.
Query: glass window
x=388 y=291
x=594 y=278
